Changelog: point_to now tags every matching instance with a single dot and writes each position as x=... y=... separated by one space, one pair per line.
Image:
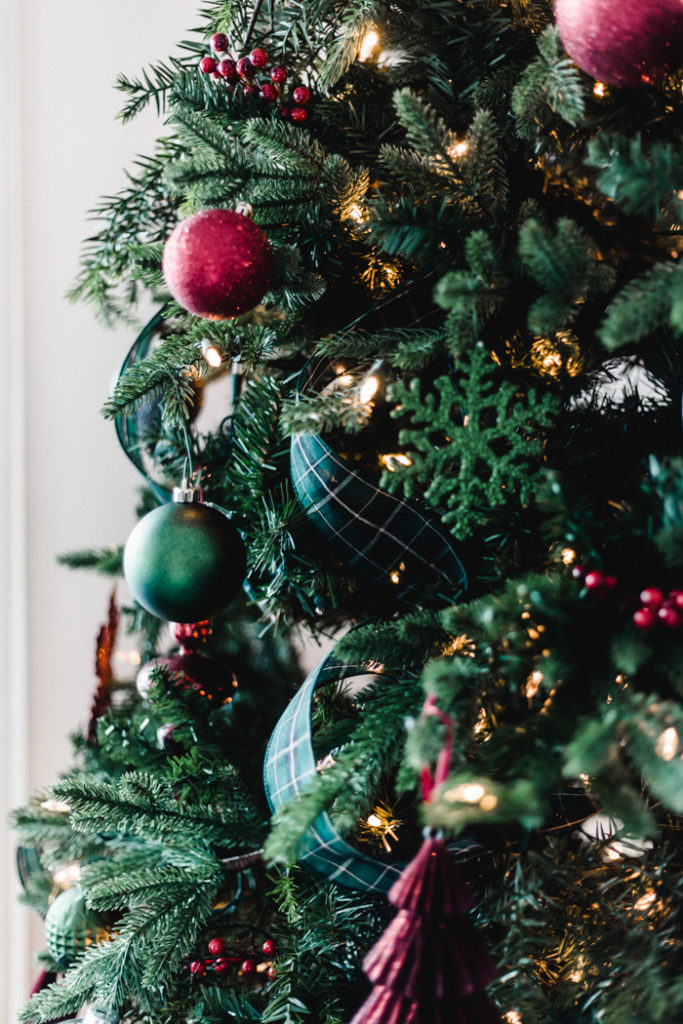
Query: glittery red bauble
x=217 y=264
x=622 y=42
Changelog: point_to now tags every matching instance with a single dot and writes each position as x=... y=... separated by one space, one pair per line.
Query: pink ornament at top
x=622 y=42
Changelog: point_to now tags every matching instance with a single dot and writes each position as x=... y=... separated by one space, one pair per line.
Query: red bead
x=577 y=572
x=645 y=618
x=671 y=617
x=216 y=946
x=594 y=580
x=227 y=68
x=610 y=582
x=219 y=42
x=268 y=92
x=221 y=966
x=284 y=113
x=249 y=90
x=248 y=967
x=245 y=69
x=258 y=57
x=272 y=973
x=652 y=597
x=197 y=966
x=269 y=947
x=301 y=95
x=677 y=597
x=298 y=115
x=216 y=74
x=207 y=65
x=278 y=73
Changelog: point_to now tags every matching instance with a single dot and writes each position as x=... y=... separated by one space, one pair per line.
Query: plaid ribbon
x=392 y=542
x=130 y=429
x=290 y=764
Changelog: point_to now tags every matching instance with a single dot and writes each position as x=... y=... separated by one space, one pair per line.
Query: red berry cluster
x=221 y=959
x=656 y=607
x=597 y=582
x=252 y=73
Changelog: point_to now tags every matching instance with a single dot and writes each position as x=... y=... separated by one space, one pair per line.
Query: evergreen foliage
x=466 y=217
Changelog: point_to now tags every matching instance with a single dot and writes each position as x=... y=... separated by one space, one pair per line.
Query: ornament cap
x=244 y=209
x=186 y=492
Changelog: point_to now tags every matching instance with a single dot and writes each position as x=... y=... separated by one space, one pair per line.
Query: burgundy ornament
x=196 y=671
x=429 y=966
x=268 y=92
x=217 y=264
x=622 y=42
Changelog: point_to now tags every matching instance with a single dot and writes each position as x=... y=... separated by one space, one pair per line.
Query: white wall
x=72 y=486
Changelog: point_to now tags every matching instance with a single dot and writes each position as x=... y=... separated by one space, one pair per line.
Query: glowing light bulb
x=667 y=744
x=469 y=793
x=67 y=876
x=56 y=805
x=568 y=555
x=600 y=89
x=374 y=821
x=211 y=354
x=645 y=901
x=458 y=149
x=395 y=576
x=368 y=389
x=370 y=41
x=533 y=683
x=513 y=1017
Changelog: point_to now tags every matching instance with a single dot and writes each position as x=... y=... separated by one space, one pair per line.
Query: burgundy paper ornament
x=429 y=966
x=622 y=42
x=217 y=264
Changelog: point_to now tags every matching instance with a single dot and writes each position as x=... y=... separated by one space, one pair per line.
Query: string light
x=513 y=1017
x=67 y=876
x=370 y=41
x=462 y=644
x=600 y=90
x=577 y=973
x=211 y=354
x=380 y=826
x=533 y=683
x=368 y=389
x=667 y=744
x=358 y=213
x=457 y=149
x=59 y=806
x=568 y=555
x=395 y=574
x=390 y=461
x=645 y=901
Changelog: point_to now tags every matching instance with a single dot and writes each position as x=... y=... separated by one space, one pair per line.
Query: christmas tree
x=413 y=384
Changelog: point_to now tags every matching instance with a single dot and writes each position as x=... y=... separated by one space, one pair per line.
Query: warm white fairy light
x=370 y=41
x=67 y=876
x=61 y=806
x=391 y=460
x=469 y=793
x=513 y=1017
x=568 y=555
x=211 y=354
x=645 y=901
x=458 y=149
x=667 y=744
x=533 y=683
x=368 y=389
x=374 y=821
x=600 y=89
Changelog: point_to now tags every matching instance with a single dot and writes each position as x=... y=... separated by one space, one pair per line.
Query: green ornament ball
x=185 y=561
x=70 y=925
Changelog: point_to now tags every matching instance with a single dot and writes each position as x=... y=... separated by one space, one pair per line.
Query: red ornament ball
x=217 y=264
x=645 y=618
x=622 y=42
x=245 y=69
x=298 y=115
x=207 y=65
x=216 y=946
x=258 y=58
x=219 y=42
x=227 y=69
x=301 y=95
x=278 y=73
x=268 y=92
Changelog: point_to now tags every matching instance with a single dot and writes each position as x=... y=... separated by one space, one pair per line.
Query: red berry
x=216 y=74
x=645 y=618
x=258 y=57
x=248 y=967
x=221 y=966
x=268 y=92
x=652 y=597
x=610 y=582
x=249 y=90
x=594 y=580
x=271 y=972
x=671 y=617
x=227 y=68
x=197 y=966
x=269 y=947
x=245 y=69
x=207 y=65
x=301 y=95
x=278 y=73
x=216 y=946
x=219 y=42
x=284 y=113
x=577 y=572
x=677 y=597
x=298 y=115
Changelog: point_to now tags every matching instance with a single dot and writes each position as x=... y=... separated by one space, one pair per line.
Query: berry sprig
x=251 y=72
x=596 y=582
x=656 y=607
x=248 y=961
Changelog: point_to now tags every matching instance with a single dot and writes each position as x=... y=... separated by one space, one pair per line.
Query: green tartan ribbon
x=392 y=542
x=290 y=764
x=130 y=429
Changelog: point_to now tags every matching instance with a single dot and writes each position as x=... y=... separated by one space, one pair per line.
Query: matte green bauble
x=184 y=561
x=70 y=926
